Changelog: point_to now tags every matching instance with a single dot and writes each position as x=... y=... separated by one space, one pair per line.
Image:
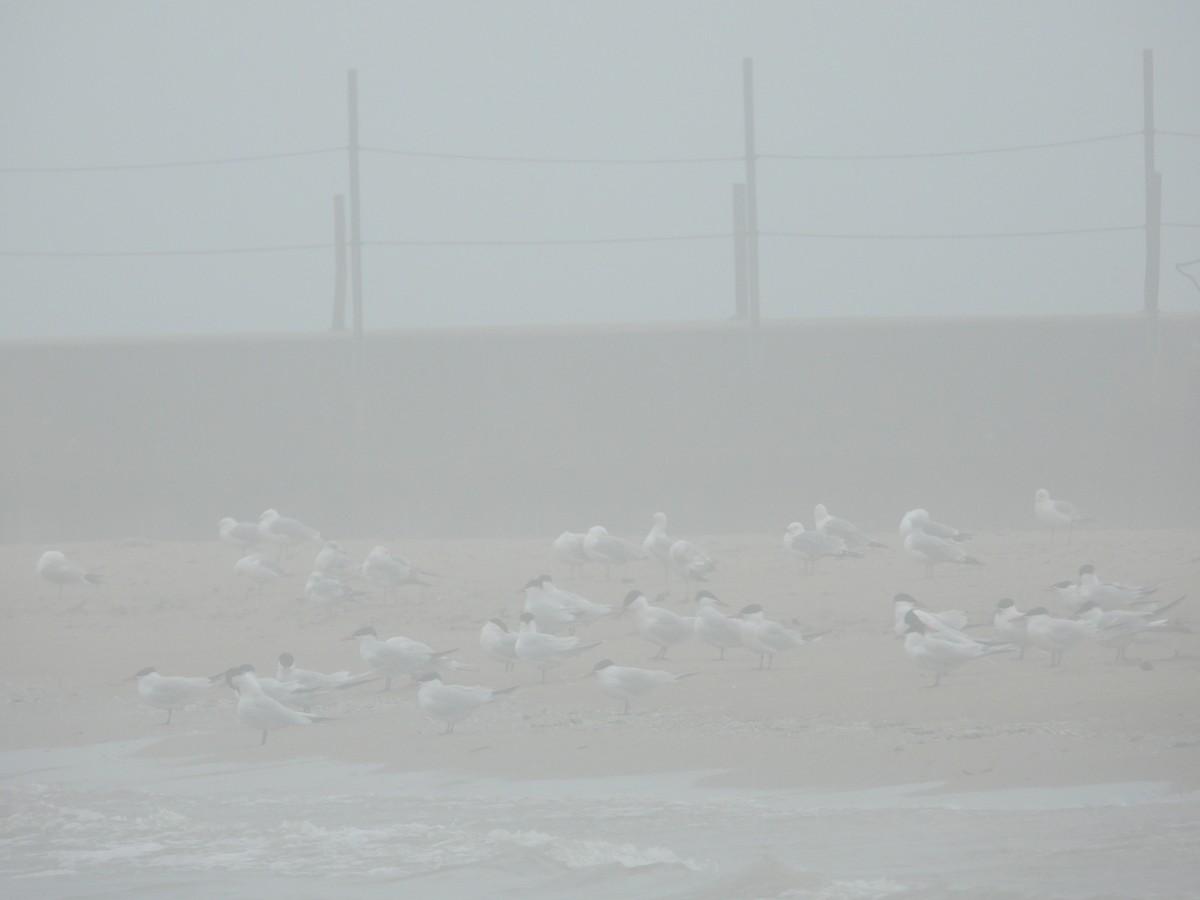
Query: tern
x=544 y=651
x=399 y=655
x=499 y=643
x=170 y=692
x=1010 y=623
x=626 y=682
x=451 y=703
x=321 y=683
x=946 y=620
x=656 y=624
x=1118 y=628
x=937 y=529
x=941 y=651
x=581 y=610
x=766 y=638
x=1109 y=594
x=835 y=527
x=713 y=626
x=1054 y=635
x=257 y=709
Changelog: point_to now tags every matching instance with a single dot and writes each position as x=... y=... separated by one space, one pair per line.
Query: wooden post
x=741 y=298
x=1153 y=188
x=751 y=192
x=355 y=207
x=339 y=262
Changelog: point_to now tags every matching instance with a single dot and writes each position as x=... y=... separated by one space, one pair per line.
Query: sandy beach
x=850 y=712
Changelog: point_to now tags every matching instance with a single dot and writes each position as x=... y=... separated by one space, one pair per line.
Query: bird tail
x=504 y=691
x=876 y=544
x=971 y=561
x=575 y=651
x=443 y=661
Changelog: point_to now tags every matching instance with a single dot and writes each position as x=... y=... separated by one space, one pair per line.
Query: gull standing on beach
x=766 y=638
x=835 y=527
x=602 y=547
x=544 y=651
x=260 y=711
x=283 y=531
x=399 y=655
x=626 y=682
x=714 y=627
x=239 y=534
x=451 y=703
x=937 y=529
x=170 y=692
x=813 y=545
x=568 y=547
x=1058 y=514
x=656 y=624
x=930 y=550
x=941 y=651
x=54 y=566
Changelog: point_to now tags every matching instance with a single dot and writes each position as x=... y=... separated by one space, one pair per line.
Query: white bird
x=384 y=570
x=1057 y=514
x=323 y=683
x=714 y=627
x=691 y=562
x=1118 y=628
x=239 y=534
x=1054 y=635
x=257 y=709
x=602 y=547
x=930 y=550
x=54 y=566
x=833 y=526
x=813 y=545
x=551 y=616
x=1010 y=623
x=937 y=529
x=568 y=547
x=258 y=568
x=941 y=651
x=581 y=610
x=170 y=692
x=333 y=560
x=451 y=703
x=499 y=643
x=326 y=590
x=954 y=620
x=1109 y=594
x=656 y=624
x=626 y=682
x=656 y=544
x=399 y=655
x=544 y=651
x=283 y=531
x=766 y=638
x=1067 y=593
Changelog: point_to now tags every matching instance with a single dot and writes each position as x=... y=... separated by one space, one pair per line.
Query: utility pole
x=355 y=206
x=751 y=192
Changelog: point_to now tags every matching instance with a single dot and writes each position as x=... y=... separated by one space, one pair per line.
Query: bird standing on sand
x=170 y=692
x=626 y=682
x=451 y=703
x=1058 y=514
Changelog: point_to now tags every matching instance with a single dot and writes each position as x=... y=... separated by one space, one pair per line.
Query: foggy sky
x=144 y=82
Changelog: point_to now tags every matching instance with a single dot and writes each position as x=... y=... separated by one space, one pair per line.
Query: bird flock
x=544 y=636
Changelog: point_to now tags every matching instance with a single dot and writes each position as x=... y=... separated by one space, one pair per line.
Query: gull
x=656 y=544
x=333 y=560
x=1118 y=628
x=277 y=529
x=931 y=550
x=384 y=570
x=239 y=534
x=326 y=590
x=766 y=637
x=1109 y=594
x=257 y=709
x=1056 y=513
x=625 y=682
x=949 y=620
x=656 y=624
x=170 y=692
x=691 y=562
x=714 y=627
x=399 y=655
x=835 y=527
x=544 y=651
x=941 y=651
x=1054 y=635
x=57 y=569
x=258 y=568
x=937 y=529
x=499 y=643
x=451 y=703
x=600 y=546
x=813 y=545
x=1011 y=624
x=568 y=547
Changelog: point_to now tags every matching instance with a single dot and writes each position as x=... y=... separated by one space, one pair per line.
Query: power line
x=942 y=153
x=957 y=236
x=171 y=165
x=550 y=242
x=1189 y=134
x=215 y=252
x=642 y=161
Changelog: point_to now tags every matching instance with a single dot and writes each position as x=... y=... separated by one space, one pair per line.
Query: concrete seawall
x=530 y=431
